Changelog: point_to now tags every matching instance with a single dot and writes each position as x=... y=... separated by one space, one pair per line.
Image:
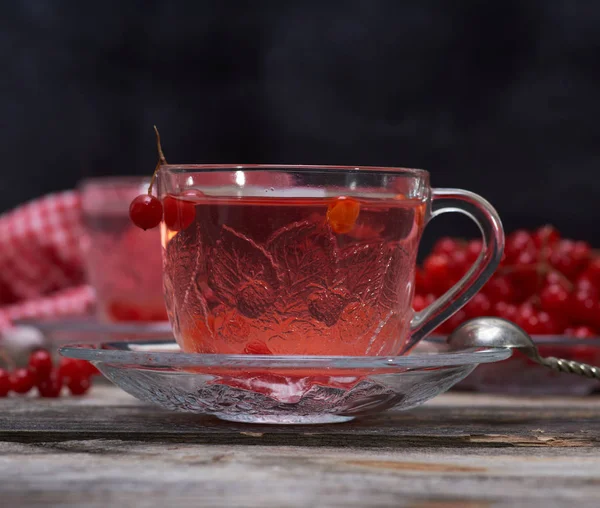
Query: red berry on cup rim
x=146 y=211
x=179 y=213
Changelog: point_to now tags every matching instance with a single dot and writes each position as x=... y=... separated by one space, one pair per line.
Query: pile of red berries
x=545 y=284
x=49 y=379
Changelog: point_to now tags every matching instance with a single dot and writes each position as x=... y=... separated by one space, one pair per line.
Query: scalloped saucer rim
x=151 y=353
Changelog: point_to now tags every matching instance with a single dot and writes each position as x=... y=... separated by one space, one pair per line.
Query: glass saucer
x=281 y=389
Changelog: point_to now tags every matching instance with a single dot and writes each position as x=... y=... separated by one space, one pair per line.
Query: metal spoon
x=493 y=332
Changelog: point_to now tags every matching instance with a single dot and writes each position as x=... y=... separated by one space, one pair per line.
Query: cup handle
x=486 y=217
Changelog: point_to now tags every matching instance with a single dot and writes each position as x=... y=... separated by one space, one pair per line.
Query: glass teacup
x=306 y=260
x=123 y=263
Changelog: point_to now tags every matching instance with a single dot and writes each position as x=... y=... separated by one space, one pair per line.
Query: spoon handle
x=580 y=369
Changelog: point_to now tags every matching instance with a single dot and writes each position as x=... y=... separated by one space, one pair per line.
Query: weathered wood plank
x=459 y=450
x=206 y=475
x=451 y=421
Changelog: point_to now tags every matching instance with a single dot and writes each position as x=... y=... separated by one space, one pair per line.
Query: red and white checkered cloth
x=41 y=266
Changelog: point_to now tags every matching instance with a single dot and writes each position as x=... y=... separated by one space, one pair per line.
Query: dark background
x=502 y=98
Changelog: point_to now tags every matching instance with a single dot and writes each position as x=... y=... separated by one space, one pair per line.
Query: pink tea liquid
x=292 y=276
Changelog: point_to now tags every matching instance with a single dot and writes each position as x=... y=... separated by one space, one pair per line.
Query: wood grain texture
x=459 y=450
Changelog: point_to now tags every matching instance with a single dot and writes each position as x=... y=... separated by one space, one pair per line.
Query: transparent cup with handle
x=307 y=260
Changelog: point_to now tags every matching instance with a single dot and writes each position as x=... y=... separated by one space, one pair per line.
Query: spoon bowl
x=494 y=332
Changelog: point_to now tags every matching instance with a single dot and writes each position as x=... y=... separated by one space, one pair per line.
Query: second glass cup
x=123 y=263
x=306 y=260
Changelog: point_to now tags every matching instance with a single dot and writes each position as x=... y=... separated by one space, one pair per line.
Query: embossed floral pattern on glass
x=277 y=278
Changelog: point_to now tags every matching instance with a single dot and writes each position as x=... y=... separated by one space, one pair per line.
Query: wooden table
x=460 y=450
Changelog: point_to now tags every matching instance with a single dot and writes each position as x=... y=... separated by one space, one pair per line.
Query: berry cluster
x=545 y=284
x=49 y=379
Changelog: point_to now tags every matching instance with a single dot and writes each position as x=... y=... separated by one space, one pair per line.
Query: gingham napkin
x=41 y=267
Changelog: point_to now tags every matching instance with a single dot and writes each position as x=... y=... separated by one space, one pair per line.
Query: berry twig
x=146 y=210
x=161 y=161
